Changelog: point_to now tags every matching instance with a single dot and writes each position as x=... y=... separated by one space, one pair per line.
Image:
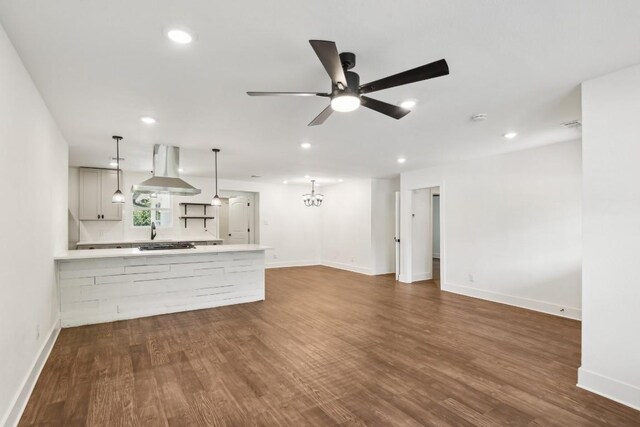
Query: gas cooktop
x=166 y=246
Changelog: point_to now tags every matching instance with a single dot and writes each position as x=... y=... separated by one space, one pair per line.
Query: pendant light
x=117 y=197
x=312 y=199
x=216 y=199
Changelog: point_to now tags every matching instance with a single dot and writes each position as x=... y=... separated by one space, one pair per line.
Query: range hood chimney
x=166 y=178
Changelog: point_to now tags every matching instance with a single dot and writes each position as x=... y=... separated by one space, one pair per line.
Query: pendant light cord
x=216 y=173
x=118 y=161
x=117 y=138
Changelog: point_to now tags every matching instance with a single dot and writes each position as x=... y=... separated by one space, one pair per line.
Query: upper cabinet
x=96 y=189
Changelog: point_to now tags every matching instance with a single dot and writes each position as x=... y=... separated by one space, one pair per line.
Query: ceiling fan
x=347 y=94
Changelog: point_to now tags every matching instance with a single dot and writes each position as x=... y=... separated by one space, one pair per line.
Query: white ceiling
x=102 y=65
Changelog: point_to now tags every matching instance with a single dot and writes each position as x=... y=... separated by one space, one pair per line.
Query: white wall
x=383 y=221
x=513 y=222
x=346 y=226
x=33 y=184
x=284 y=222
x=611 y=230
x=357 y=222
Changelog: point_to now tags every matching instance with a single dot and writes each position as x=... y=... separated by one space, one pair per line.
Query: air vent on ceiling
x=256 y=176
x=572 y=124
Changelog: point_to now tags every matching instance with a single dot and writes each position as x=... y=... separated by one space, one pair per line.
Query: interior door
x=239 y=220
x=109 y=185
x=397 y=235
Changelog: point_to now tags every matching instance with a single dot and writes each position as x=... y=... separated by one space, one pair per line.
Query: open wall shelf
x=205 y=218
x=202 y=217
x=205 y=205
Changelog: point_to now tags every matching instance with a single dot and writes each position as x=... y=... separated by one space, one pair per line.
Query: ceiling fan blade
x=324 y=115
x=429 y=71
x=328 y=54
x=384 y=108
x=288 y=94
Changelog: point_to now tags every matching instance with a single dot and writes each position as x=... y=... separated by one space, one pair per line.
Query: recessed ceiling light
x=180 y=170
x=305 y=145
x=408 y=104
x=510 y=135
x=307 y=177
x=402 y=160
x=285 y=182
x=148 y=120
x=341 y=180
x=180 y=36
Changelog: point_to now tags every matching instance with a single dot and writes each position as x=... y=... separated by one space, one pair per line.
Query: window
x=151 y=207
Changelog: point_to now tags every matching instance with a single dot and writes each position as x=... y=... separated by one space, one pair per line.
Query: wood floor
x=327 y=347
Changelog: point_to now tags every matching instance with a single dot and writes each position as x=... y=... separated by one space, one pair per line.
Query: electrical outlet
x=471 y=278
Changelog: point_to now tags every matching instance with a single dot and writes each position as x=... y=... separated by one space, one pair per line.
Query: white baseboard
x=282 y=264
x=12 y=417
x=348 y=267
x=531 y=304
x=421 y=276
x=619 y=391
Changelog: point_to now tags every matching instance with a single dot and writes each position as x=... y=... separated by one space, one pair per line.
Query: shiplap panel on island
x=104 y=289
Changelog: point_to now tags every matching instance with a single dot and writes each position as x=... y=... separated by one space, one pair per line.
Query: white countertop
x=135 y=252
x=141 y=241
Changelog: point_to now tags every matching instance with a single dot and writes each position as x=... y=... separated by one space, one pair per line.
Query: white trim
x=531 y=304
x=348 y=267
x=282 y=264
x=417 y=277
x=19 y=403
x=618 y=391
x=383 y=272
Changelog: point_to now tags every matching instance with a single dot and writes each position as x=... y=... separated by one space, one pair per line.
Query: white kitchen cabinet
x=96 y=189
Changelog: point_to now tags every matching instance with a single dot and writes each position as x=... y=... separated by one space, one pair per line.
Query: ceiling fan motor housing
x=353 y=85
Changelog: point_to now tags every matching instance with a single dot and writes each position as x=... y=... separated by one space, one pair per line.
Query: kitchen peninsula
x=104 y=285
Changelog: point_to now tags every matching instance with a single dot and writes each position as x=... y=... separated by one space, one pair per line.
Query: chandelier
x=312 y=199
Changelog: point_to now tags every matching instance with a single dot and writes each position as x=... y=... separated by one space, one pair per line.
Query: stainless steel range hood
x=166 y=178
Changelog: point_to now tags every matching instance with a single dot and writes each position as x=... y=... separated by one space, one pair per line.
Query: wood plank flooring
x=327 y=347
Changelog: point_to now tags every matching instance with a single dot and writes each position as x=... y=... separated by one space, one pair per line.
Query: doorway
x=435 y=234
x=425 y=235
x=238 y=216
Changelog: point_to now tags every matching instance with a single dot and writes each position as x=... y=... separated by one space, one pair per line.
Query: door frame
x=406 y=242
x=254 y=213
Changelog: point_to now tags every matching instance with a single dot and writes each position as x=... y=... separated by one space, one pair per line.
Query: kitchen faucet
x=153 y=230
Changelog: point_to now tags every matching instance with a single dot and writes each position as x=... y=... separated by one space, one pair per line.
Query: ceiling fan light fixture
x=408 y=104
x=345 y=103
